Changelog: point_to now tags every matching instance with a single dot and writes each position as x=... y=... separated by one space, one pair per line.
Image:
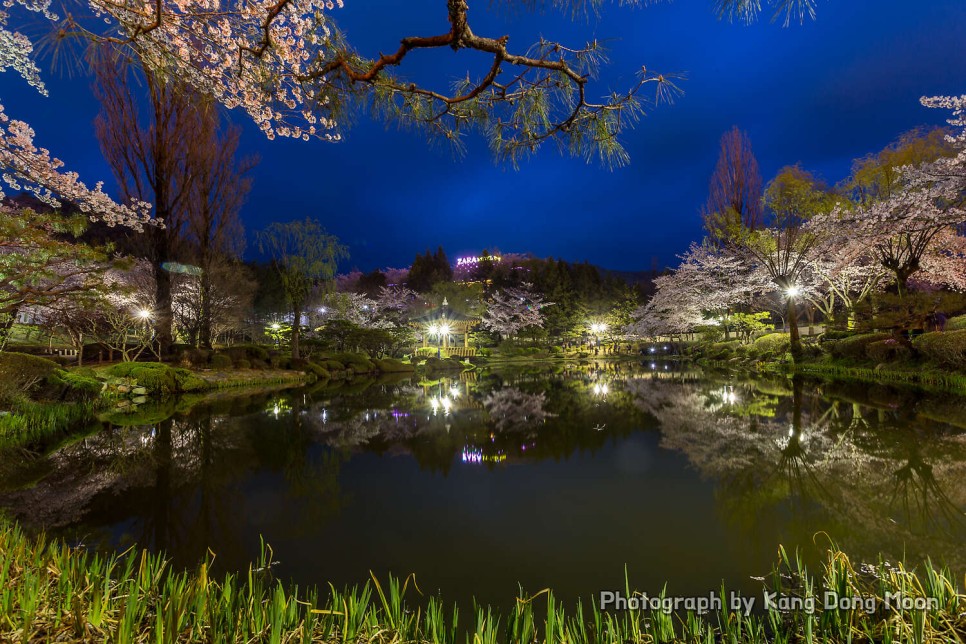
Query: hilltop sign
x=472 y=261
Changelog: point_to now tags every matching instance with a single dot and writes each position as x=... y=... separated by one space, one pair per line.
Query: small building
x=447 y=331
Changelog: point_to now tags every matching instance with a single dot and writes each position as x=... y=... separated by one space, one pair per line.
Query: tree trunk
x=204 y=332
x=6 y=324
x=162 y=298
x=296 y=332
x=794 y=339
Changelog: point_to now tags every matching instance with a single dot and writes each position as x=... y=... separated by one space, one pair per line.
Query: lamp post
x=440 y=331
x=597 y=328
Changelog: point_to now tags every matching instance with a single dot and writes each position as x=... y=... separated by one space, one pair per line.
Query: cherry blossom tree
x=789 y=245
x=513 y=309
x=915 y=214
x=842 y=278
x=708 y=287
x=40 y=264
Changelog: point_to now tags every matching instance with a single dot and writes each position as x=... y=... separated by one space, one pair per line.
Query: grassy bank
x=49 y=592
x=932 y=360
x=920 y=377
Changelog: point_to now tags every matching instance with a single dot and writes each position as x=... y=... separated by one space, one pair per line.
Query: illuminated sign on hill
x=472 y=261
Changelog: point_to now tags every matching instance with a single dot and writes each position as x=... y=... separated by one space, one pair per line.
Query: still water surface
x=547 y=477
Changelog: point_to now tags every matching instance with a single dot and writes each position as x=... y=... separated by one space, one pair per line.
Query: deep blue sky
x=820 y=94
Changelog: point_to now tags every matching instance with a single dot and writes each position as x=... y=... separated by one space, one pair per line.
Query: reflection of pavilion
x=447 y=331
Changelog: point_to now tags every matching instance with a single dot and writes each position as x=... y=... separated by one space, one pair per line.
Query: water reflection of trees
x=497 y=418
x=875 y=470
x=871 y=471
x=178 y=484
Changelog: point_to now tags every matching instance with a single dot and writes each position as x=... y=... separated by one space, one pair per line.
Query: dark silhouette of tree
x=735 y=190
x=147 y=155
x=220 y=186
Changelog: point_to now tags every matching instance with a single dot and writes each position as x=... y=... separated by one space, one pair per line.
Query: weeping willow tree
x=305 y=257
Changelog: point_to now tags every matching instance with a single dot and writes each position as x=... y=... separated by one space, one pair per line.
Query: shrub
x=391 y=365
x=854 y=346
x=956 y=324
x=832 y=334
x=157 y=377
x=722 y=350
x=220 y=361
x=22 y=372
x=259 y=364
x=280 y=361
x=318 y=371
x=772 y=344
x=75 y=386
x=332 y=365
x=355 y=362
x=195 y=357
x=242 y=363
x=246 y=352
x=886 y=350
x=947 y=348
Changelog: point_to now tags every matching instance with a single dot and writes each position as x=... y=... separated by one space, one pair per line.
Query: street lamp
x=440 y=331
x=793 y=291
x=597 y=328
x=144 y=314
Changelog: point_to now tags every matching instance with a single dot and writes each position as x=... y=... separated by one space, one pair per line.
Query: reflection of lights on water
x=601 y=389
x=475 y=456
x=653 y=365
x=791 y=432
x=276 y=409
x=652 y=349
x=443 y=403
x=325 y=416
x=454 y=391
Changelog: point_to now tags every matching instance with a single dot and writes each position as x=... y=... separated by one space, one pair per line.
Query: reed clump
x=52 y=593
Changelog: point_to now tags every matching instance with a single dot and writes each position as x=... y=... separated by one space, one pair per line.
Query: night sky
x=819 y=94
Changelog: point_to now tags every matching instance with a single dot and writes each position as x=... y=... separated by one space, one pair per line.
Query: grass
x=33 y=423
x=926 y=378
x=49 y=592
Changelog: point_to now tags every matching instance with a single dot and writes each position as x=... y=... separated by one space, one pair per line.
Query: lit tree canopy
x=511 y=310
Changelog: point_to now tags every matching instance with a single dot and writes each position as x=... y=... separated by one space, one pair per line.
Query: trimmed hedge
x=886 y=350
x=23 y=372
x=772 y=344
x=157 y=377
x=75 y=386
x=221 y=361
x=246 y=352
x=242 y=363
x=854 y=346
x=957 y=323
x=355 y=362
x=391 y=365
x=945 y=348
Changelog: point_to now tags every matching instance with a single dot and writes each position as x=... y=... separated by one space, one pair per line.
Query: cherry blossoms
x=827 y=251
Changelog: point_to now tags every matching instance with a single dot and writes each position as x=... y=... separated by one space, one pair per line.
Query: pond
x=547 y=477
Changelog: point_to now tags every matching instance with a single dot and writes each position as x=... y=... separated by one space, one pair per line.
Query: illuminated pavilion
x=446 y=330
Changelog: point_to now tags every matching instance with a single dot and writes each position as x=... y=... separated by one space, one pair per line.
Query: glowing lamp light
x=144 y=314
x=444 y=329
x=276 y=326
x=793 y=291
